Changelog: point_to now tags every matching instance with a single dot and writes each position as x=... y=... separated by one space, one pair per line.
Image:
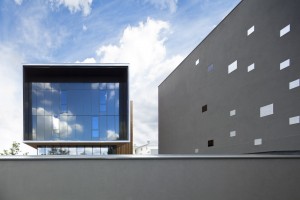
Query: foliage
x=13 y=150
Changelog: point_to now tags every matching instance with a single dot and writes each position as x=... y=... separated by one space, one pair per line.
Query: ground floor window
x=76 y=150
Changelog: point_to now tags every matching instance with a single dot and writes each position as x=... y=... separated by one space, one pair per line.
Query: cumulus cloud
x=75 y=5
x=64 y=125
x=112 y=135
x=143 y=46
x=164 y=4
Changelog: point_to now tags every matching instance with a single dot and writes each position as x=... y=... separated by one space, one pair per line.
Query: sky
x=154 y=36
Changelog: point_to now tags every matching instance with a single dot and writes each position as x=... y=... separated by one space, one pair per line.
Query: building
x=77 y=109
x=238 y=90
x=147 y=149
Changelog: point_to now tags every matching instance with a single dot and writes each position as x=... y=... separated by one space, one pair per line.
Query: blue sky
x=154 y=36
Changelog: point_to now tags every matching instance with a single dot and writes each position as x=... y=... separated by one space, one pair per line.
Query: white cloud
x=164 y=4
x=64 y=125
x=95 y=86
x=19 y=2
x=75 y=5
x=11 y=118
x=112 y=135
x=35 y=36
x=87 y=60
x=143 y=46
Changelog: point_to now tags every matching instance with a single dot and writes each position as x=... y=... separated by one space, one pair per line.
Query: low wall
x=150 y=178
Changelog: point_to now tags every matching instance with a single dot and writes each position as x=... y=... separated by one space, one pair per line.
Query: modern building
x=77 y=109
x=238 y=90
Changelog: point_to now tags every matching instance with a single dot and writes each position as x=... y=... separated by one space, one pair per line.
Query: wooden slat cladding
x=128 y=148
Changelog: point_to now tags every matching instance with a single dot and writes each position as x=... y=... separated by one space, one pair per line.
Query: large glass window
x=76 y=150
x=77 y=111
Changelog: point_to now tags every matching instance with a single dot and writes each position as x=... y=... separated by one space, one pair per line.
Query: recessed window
x=294 y=120
x=232 y=112
x=210 y=143
x=232 y=133
x=285 y=64
x=266 y=110
x=232 y=67
x=285 y=30
x=197 y=62
x=258 y=141
x=294 y=84
x=210 y=68
x=204 y=108
x=250 y=30
x=251 y=67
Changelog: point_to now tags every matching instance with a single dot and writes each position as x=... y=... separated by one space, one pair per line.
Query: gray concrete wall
x=159 y=178
x=183 y=128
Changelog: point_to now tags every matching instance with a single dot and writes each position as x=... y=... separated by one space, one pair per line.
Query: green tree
x=13 y=150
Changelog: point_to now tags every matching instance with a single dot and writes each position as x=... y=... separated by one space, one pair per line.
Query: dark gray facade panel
x=209 y=178
x=183 y=128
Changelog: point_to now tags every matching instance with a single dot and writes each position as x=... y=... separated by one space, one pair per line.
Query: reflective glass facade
x=75 y=111
x=76 y=150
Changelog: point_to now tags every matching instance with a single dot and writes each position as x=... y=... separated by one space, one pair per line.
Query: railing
x=182 y=177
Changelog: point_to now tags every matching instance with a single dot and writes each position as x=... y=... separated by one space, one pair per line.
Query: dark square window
x=210 y=143
x=210 y=68
x=204 y=108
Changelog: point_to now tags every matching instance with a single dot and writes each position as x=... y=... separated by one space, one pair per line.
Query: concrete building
x=77 y=109
x=238 y=90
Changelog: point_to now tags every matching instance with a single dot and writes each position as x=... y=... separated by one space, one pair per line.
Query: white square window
x=294 y=120
x=251 y=67
x=250 y=30
x=196 y=150
x=266 y=110
x=197 y=62
x=232 y=67
x=232 y=133
x=294 y=84
x=285 y=30
x=232 y=112
x=285 y=64
x=258 y=141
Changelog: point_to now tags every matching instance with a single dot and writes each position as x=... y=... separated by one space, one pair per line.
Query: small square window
x=285 y=64
x=294 y=120
x=251 y=67
x=258 y=141
x=204 y=108
x=232 y=67
x=266 y=110
x=196 y=150
x=285 y=30
x=232 y=112
x=232 y=133
x=250 y=30
x=294 y=84
x=197 y=62
x=210 y=143
x=210 y=68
